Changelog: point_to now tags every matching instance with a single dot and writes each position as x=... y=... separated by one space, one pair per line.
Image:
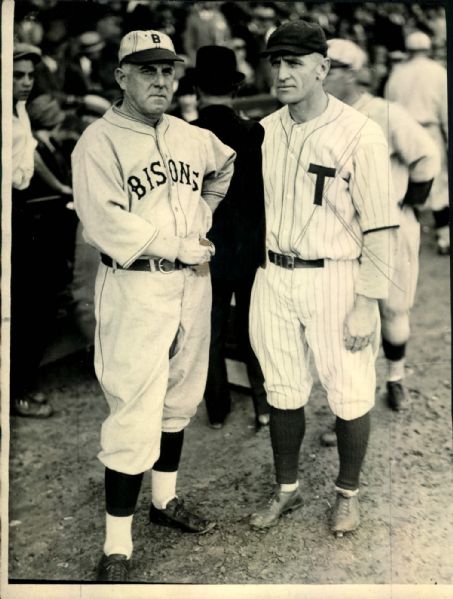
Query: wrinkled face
x=23 y=78
x=297 y=77
x=338 y=81
x=148 y=88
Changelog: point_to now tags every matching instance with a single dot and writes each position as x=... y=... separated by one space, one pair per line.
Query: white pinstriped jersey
x=132 y=181
x=413 y=154
x=326 y=182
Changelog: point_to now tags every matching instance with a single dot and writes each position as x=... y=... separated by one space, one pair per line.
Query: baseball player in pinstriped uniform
x=145 y=187
x=415 y=161
x=420 y=85
x=328 y=202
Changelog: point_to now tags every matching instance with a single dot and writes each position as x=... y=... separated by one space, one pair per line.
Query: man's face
x=296 y=77
x=23 y=78
x=338 y=82
x=148 y=88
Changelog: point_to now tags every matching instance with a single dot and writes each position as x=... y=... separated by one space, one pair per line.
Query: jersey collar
x=333 y=109
x=120 y=119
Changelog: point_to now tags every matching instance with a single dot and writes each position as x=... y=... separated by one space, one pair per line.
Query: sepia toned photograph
x=225 y=295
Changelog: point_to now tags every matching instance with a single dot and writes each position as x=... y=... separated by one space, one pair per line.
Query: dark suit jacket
x=238 y=230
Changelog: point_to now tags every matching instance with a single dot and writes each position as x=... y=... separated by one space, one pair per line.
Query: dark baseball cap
x=297 y=37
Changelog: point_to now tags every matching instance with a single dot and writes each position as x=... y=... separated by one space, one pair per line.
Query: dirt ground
x=406 y=537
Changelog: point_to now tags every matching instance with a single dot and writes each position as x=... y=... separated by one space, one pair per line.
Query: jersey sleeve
x=102 y=205
x=219 y=170
x=371 y=184
x=413 y=145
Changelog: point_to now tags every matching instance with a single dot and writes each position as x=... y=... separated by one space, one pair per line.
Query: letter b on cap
x=155 y=38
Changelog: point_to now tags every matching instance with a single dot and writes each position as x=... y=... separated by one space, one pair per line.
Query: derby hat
x=216 y=70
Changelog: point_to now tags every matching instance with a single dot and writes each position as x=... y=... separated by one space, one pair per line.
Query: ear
x=120 y=76
x=322 y=68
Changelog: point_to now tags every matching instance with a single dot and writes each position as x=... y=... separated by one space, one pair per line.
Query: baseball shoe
x=29 y=407
x=280 y=503
x=261 y=421
x=176 y=515
x=397 y=396
x=113 y=568
x=328 y=438
x=216 y=425
x=443 y=250
x=345 y=515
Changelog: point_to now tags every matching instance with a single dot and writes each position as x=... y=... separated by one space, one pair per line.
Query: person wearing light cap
x=30 y=320
x=145 y=187
x=420 y=85
x=328 y=203
x=415 y=163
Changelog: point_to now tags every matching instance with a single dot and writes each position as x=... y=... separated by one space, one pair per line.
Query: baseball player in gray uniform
x=415 y=162
x=145 y=187
x=328 y=202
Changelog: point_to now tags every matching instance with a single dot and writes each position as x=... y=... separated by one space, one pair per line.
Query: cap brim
x=294 y=50
x=33 y=56
x=153 y=55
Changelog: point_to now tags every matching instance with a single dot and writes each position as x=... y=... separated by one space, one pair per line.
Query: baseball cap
x=296 y=37
x=417 y=40
x=147 y=46
x=23 y=50
x=346 y=54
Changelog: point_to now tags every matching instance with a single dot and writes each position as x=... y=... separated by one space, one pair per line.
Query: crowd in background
x=74 y=81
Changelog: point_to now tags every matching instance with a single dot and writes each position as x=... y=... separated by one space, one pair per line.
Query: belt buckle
x=289 y=262
x=160 y=266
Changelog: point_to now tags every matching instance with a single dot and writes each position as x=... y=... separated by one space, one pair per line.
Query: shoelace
x=344 y=505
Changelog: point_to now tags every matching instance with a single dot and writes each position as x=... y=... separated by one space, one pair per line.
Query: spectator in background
x=237 y=230
x=263 y=23
x=239 y=48
x=206 y=25
x=420 y=84
x=30 y=309
x=52 y=174
x=186 y=100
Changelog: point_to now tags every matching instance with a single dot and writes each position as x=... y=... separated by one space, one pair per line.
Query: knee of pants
x=132 y=459
x=395 y=326
x=175 y=424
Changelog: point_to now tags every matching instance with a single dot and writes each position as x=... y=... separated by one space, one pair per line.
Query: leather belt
x=147 y=264
x=293 y=262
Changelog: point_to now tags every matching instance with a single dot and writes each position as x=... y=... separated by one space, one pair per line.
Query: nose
x=159 y=80
x=282 y=72
x=27 y=81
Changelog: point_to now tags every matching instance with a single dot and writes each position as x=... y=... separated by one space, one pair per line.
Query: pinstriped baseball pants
x=297 y=317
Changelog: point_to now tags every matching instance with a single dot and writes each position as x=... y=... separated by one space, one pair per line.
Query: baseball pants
x=151 y=359
x=297 y=315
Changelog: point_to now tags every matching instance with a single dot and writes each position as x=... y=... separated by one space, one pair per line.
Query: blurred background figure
x=205 y=25
x=237 y=231
x=32 y=305
x=186 y=100
x=420 y=85
x=264 y=21
x=239 y=48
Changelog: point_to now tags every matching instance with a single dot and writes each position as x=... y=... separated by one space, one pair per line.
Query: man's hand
x=360 y=323
x=193 y=250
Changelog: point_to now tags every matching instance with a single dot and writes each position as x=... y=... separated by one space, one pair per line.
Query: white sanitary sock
x=289 y=487
x=163 y=488
x=395 y=370
x=118 y=535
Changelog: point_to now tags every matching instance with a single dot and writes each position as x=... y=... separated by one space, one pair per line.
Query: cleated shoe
x=397 y=396
x=176 y=515
x=328 y=439
x=113 y=568
x=345 y=515
x=279 y=504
